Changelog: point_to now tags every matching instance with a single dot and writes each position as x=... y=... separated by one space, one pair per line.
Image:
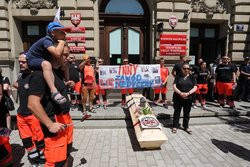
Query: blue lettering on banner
x=134 y=81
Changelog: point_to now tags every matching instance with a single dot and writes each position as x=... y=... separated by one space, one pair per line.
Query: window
x=33 y=30
x=194 y=32
x=115 y=42
x=133 y=42
x=209 y=33
x=124 y=7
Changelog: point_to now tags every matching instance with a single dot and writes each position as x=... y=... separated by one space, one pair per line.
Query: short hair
x=22 y=53
x=185 y=64
x=181 y=57
x=203 y=62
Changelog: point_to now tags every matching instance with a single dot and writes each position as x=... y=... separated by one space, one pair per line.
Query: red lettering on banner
x=109 y=83
x=135 y=68
x=128 y=69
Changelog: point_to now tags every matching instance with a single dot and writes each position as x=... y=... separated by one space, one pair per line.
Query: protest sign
x=129 y=76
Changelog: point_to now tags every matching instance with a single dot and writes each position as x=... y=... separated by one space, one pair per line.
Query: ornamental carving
x=37 y=4
x=208 y=6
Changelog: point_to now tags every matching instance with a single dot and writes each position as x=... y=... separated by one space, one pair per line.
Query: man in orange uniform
x=55 y=120
x=88 y=83
x=28 y=125
x=225 y=81
x=124 y=91
x=163 y=89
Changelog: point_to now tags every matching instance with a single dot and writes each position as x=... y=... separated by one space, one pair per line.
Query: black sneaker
x=233 y=108
x=165 y=106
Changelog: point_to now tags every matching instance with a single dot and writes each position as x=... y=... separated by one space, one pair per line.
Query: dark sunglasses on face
x=186 y=68
x=61 y=32
x=23 y=62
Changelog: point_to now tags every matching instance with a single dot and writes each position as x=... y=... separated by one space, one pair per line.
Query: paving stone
x=210 y=145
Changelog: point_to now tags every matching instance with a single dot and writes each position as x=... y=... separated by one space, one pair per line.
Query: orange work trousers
x=56 y=147
x=30 y=131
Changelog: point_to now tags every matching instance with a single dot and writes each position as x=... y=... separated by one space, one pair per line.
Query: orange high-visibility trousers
x=202 y=89
x=30 y=130
x=56 y=147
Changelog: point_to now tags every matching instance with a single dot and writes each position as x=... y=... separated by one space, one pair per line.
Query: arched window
x=124 y=7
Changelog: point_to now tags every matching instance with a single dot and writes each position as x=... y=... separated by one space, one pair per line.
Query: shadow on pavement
x=83 y=161
x=233 y=148
x=114 y=104
x=18 y=152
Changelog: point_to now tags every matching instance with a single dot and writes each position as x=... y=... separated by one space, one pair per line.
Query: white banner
x=129 y=76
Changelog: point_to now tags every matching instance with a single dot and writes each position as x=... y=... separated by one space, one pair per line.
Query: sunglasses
x=186 y=68
x=60 y=31
x=23 y=62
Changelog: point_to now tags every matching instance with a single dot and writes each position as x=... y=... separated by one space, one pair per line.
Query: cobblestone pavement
x=211 y=145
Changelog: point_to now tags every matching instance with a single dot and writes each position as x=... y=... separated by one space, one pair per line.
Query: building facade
x=118 y=29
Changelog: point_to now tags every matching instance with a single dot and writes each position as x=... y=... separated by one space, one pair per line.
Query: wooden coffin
x=149 y=138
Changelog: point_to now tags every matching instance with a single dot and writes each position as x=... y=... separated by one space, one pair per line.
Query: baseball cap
x=85 y=57
x=54 y=26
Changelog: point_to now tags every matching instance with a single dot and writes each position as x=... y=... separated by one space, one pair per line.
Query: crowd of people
x=51 y=82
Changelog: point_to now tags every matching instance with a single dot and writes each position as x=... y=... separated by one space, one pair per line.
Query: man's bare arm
x=37 y=109
x=57 y=51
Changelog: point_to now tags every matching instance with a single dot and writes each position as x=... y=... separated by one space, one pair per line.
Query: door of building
x=33 y=31
x=124 y=31
x=205 y=42
x=124 y=42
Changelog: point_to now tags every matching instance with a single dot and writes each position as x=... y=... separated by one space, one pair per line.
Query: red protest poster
x=173 y=39
x=173 y=50
x=75 y=39
x=77 y=49
x=75 y=29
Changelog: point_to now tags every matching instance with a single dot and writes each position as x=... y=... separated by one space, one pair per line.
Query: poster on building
x=173 y=39
x=173 y=44
x=129 y=76
x=174 y=50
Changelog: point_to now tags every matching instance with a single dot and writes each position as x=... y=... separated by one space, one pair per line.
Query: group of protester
x=48 y=74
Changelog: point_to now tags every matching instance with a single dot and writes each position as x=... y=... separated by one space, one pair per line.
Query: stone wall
x=4 y=33
x=239 y=45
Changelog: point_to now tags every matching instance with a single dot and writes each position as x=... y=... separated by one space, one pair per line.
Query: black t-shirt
x=177 y=68
x=74 y=73
x=202 y=76
x=3 y=108
x=185 y=84
x=234 y=67
x=38 y=86
x=225 y=73
x=5 y=80
x=2 y=114
x=195 y=69
x=246 y=69
x=23 y=92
